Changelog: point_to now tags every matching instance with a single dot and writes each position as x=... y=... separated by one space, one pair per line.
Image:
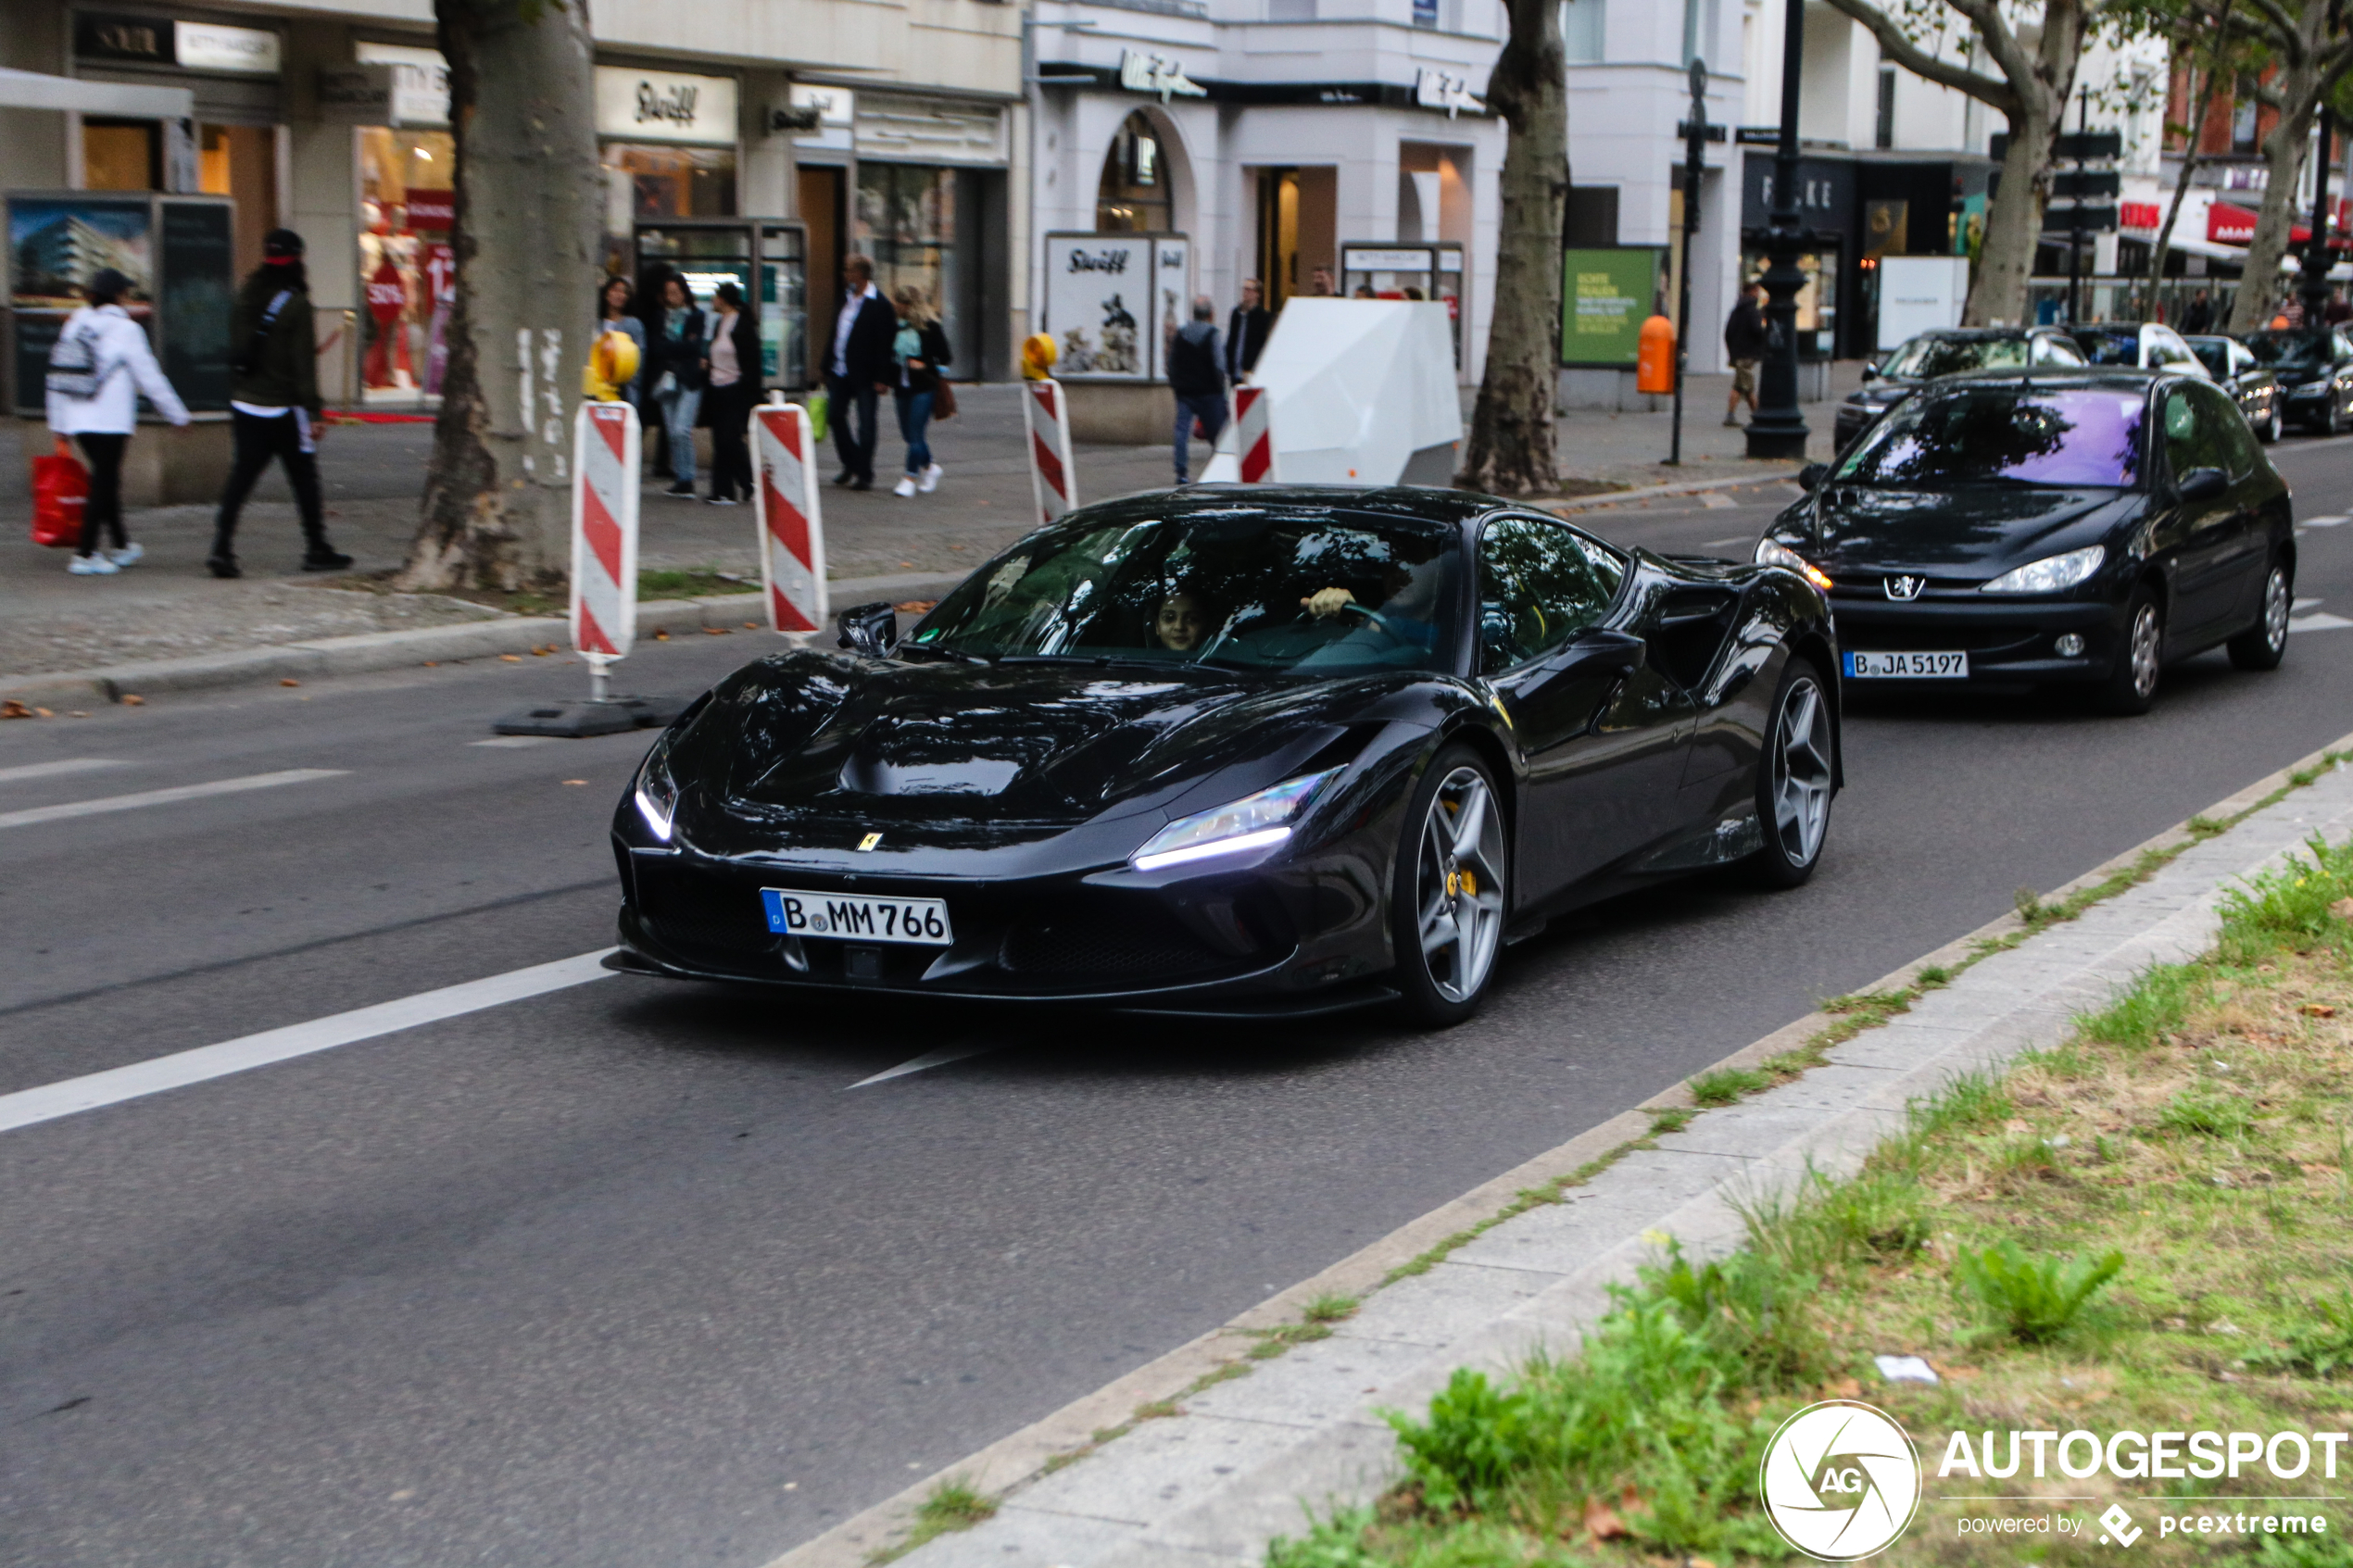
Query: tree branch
x=1899 y=47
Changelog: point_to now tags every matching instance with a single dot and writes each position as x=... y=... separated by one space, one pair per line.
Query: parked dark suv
x=2315 y=369
x=1948 y=353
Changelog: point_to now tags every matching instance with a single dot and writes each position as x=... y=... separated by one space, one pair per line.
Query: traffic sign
x=2065 y=221
x=2081 y=183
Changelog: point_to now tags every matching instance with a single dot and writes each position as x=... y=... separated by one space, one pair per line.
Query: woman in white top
x=732 y=365
x=99 y=365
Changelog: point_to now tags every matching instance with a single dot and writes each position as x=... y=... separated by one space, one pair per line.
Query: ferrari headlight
x=657 y=792
x=1772 y=552
x=2051 y=574
x=1255 y=821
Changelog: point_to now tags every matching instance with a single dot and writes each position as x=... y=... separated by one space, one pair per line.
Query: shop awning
x=31 y=90
x=2226 y=224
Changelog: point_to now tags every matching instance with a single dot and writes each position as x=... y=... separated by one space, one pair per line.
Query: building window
x=1290 y=11
x=906 y=224
x=122 y=155
x=1134 y=194
x=407 y=271
x=1425 y=13
x=1884 y=135
x=2243 y=107
x=1581 y=34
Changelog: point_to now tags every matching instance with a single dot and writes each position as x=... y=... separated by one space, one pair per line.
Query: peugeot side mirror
x=2202 y=485
x=1810 y=477
x=872 y=630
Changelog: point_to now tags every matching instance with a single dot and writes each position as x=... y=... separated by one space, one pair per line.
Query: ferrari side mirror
x=1810 y=477
x=872 y=629
x=1870 y=372
x=2202 y=485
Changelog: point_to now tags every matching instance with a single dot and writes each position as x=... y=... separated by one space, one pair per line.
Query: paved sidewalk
x=1242 y=1461
x=167 y=607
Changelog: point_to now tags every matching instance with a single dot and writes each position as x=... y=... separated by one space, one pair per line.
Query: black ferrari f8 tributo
x=1237 y=751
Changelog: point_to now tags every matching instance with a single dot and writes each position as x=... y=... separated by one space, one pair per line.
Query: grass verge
x=2145 y=1228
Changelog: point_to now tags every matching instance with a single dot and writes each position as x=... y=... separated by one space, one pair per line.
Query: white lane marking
x=63 y=765
x=2329 y=521
x=515 y=742
x=1735 y=539
x=939 y=1058
x=164 y=797
x=92 y=1090
x=2320 y=623
x=1715 y=500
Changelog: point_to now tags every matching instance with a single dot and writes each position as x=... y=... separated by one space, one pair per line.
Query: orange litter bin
x=1654 y=361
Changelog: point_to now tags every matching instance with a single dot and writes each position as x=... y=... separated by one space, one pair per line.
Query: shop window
x=408 y=270
x=1883 y=134
x=241 y=162
x=122 y=155
x=1581 y=37
x=906 y=225
x=645 y=182
x=1134 y=194
x=1298 y=212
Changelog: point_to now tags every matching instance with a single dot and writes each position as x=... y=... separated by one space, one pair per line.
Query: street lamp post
x=1779 y=429
x=2316 y=253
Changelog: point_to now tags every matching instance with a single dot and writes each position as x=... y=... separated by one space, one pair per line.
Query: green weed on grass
x=953 y=1504
x=2322 y=1348
x=2202 y=1113
x=2149 y=1011
x=1727 y=1084
x=2034 y=1299
x=672 y=584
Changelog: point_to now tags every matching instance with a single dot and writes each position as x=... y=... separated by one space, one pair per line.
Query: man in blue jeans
x=1197 y=375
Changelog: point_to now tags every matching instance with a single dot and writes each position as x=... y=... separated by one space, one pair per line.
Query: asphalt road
x=631 y=1273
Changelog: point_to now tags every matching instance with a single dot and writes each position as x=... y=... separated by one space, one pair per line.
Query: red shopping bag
x=60 y=487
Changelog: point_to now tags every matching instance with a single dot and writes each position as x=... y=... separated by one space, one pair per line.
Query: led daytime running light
x=1255 y=821
x=657 y=795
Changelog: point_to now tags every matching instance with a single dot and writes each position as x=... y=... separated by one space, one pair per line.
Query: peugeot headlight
x=1772 y=552
x=657 y=792
x=2050 y=574
x=1255 y=821
x=2312 y=388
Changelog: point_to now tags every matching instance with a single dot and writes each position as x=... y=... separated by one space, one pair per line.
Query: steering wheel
x=1380 y=621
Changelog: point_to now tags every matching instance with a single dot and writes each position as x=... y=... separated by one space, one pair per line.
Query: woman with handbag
x=920 y=351
x=99 y=365
x=732 y=366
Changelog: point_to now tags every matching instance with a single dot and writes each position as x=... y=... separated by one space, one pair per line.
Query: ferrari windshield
x=1926 y=357
x=1242 y=586
x=2003 y=433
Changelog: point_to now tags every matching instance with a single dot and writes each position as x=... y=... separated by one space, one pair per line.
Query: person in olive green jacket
x=273 y=400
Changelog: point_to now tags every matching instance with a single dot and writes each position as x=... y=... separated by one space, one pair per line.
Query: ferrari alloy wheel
x=2132 y=686
x=1795 y=780
x=1450 y=917
x=2263 y=645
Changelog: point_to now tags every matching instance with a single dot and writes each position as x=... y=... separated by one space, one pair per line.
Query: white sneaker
x=92 y=566
x=932 y=477
x=905 y=486
x=129 y=554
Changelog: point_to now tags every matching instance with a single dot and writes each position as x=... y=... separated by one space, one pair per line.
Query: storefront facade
x=1270 y=147
x=334 y=122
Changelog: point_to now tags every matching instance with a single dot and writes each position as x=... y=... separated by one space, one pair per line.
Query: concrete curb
x=1237 y=1466
x=1654 y=491
x=370 y=651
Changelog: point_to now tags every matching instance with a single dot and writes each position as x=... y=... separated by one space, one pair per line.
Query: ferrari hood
x=1044 y=745
x=1976 y=530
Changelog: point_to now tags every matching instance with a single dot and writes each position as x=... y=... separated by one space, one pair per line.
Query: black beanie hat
x=282 y=244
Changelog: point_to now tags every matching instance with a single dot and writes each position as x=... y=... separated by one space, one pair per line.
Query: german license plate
x=1864 y=666
x=920 y=921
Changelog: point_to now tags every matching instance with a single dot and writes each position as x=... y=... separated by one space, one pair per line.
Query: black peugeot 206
x=2084 y=527
x=1246 y=751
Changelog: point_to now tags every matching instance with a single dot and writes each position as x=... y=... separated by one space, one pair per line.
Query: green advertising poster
x=1606 y=297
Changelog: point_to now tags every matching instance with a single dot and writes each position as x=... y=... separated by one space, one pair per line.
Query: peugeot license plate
x=852 y=919
x=1863 y=666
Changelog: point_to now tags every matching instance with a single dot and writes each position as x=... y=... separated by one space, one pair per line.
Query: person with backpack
x=99 y=365
x=274 y=402
x=1198 y=378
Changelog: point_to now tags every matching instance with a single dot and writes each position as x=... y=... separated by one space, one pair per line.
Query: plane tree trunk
x=496 y=510
x=1510 y=451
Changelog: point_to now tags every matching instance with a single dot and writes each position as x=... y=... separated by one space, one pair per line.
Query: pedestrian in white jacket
x=98 y=365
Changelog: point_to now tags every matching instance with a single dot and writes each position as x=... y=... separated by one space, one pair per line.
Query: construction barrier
x=604 y=531
x=1254 y=434
x=1052 y=478
x=792 y=528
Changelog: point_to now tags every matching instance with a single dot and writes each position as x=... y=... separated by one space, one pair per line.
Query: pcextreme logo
x=1840 y=1481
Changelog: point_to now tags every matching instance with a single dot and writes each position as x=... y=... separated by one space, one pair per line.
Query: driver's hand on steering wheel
x=1326 y=602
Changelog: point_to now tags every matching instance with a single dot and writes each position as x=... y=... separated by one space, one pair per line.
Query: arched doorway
x=1137 y=193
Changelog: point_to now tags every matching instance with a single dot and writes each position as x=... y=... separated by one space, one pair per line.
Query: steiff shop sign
x=1157 y=74
x=665 y=106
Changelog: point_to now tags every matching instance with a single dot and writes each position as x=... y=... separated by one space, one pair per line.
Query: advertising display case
x=1113 y=301
x=178 y=251
x=1606 y=295
x=1407 y=270
x=767 y=259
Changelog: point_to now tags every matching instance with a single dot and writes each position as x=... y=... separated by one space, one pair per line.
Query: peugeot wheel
x=2263 y=645
x=2132 y=684
x=1794 y=779
x=1448 y=910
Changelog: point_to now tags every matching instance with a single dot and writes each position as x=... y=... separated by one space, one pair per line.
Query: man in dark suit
x=1246 y=331
x=859 y=369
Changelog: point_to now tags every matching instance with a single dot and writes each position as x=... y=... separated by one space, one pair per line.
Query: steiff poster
x=1105 y=304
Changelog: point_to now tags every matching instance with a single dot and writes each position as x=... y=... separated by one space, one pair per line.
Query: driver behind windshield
x=1181 y=624
x=1408 y=595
